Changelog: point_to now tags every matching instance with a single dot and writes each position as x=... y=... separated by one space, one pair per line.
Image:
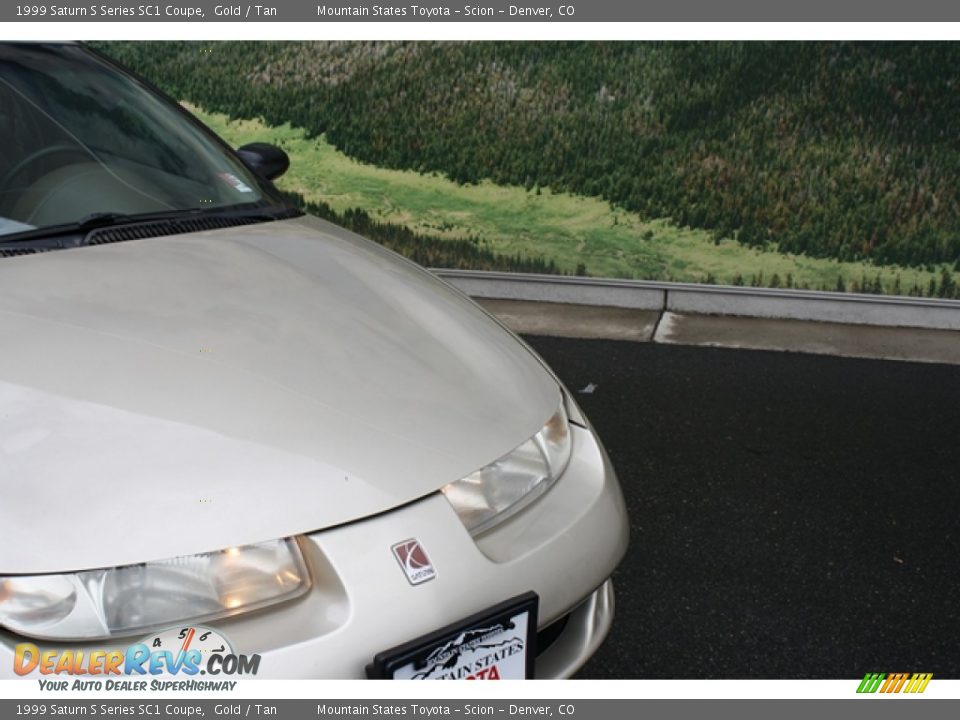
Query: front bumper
x=564 y=547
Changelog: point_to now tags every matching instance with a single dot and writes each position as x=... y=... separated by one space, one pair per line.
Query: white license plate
x=496 y=644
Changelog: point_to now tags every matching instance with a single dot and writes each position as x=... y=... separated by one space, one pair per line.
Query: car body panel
x=564 y=547
x=237 y=385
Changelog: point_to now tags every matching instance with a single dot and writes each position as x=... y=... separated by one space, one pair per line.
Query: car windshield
x=80 y=139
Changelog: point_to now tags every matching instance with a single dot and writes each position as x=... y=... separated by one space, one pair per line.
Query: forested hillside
x=835 y=150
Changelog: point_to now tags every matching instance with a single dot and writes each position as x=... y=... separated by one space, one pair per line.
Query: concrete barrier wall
x=556 y=289
x=687 y=298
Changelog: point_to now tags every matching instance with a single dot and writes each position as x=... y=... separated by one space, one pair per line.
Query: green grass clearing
x=569 y=229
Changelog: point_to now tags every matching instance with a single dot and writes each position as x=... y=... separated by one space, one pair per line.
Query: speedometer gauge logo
x=184 y=639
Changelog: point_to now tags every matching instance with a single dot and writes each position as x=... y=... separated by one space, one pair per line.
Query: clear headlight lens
x=493 y=493
x=136 y=598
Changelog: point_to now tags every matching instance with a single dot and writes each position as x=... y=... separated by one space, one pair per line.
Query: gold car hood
x=181 y=394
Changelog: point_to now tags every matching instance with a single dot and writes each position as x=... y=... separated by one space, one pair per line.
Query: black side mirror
x=266 y=160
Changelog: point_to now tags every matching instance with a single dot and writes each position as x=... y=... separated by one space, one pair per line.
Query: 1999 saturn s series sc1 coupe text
x=238 y=439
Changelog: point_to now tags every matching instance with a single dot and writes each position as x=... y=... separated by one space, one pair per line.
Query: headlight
x=136 y=598
x=493 y=493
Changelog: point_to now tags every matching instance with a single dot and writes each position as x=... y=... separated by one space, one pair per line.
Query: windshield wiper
x=102 y=219
x=71 y=234
x=75 y=234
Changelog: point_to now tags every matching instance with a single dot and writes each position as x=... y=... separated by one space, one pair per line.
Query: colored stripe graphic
x=870 y=683
x=919 y=682
x=901 y=680
x=894 y=683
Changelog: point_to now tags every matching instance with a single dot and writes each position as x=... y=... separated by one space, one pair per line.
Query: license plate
x=496 y=644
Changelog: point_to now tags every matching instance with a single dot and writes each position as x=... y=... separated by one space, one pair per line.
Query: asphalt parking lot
x=792 y=516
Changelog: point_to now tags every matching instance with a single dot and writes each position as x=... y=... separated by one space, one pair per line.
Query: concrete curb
x=687 y=298
x=555 y=289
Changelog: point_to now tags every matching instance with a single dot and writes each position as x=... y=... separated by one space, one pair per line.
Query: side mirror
x=266 y=160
